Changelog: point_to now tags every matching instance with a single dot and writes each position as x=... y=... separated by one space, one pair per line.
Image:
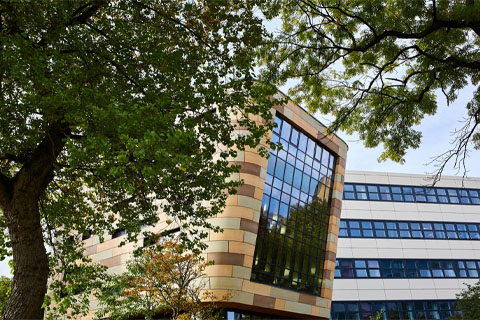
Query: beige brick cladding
x=232 y=269
x=233 y=249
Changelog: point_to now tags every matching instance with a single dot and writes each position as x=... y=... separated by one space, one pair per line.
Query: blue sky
x=437 y=136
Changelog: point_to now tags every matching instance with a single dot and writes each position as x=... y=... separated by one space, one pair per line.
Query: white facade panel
x=372 y=289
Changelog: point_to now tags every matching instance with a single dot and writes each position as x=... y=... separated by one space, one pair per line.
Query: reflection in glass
x=372 y=192
x=293 y=228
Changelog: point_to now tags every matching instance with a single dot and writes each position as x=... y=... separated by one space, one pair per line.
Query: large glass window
x=406 y=268
x=371 y=192
x=408 y=229
x=393 y=310
x=293 y=228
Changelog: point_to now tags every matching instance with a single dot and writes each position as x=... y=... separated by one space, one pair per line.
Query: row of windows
x=393 y=310
x=371 y=192
x=290 y=246
x=406 y=268
x=409 y=229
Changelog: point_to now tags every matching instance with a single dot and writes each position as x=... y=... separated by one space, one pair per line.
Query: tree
x=468 y=303
x=112 y=111
x=6 y=284
x=379 y=315
x=377 y=66
x=5 y=289
x=164 y=278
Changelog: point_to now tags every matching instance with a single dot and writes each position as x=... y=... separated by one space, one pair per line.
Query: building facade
x=276 y=254
x=405 y=247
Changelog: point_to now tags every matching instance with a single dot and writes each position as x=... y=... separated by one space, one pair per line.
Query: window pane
x=349 y=195
x=403 y=225
x=355 y=233
x=396 y=190
x=379 y=225
x=366 y=225
x=373 y=196
x=454 y=200
x=472 y=227
x=441 y=192
x=380 y=233
x=452 y=192
x=391 y=225
x=452 y=235
x=407 y=190
x=361 y=273
x=405 y=234
x=417 y=234
x=397 y=197
x=473 y=273
x=384 y=189
x=415 y=226
x=440 y=235
x=392 y=234
x=368 y=233
x=374 y=273
x=361 y=196
x=425 y=273
x=385 y=197
x=360 y=264
x=360 y=188
x=354 y=224
x=450 y=227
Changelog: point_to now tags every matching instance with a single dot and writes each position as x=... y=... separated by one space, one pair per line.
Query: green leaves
x=468 y=303
x=147 y=90
x=376 y=65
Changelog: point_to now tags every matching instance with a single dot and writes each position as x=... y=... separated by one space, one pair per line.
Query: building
x=405 y=247
x=277 y=251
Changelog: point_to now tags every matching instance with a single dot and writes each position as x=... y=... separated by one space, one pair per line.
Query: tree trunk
x=29 y=259
x=19 y=198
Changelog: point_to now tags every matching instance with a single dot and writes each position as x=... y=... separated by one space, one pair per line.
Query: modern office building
x=276 y=254
x=405 y=247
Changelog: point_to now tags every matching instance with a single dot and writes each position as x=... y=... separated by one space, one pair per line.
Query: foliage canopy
x=164 y=278
x=377 y=65
x=468 y=303
x=112 y=111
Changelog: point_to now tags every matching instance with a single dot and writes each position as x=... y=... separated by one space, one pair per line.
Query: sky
x=436 y=138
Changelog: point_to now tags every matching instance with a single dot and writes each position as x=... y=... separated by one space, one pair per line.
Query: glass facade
x=409 y=229
x=404 y=310
x=291 y=240
x=374 y=192
x=406 y=268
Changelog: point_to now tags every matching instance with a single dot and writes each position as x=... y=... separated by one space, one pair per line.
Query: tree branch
x=37 y=171
x=5 y=190
x=83 y=13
